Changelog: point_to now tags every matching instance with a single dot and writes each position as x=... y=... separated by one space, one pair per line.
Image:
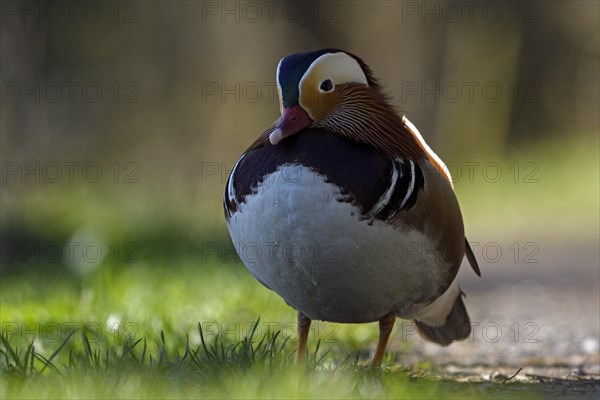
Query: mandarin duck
x=343 y=210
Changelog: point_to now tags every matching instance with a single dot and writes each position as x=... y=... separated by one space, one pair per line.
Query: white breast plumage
x=297 y=237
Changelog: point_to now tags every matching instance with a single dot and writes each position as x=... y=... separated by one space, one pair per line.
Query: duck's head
x=322 y=89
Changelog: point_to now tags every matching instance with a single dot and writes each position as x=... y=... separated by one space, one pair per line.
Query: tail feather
x=456 y=327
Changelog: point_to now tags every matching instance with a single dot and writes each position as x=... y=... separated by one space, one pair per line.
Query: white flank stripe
x=230 y=188
x=279 y=91
x=411 y=187
x=417 y=134
x=385 y=198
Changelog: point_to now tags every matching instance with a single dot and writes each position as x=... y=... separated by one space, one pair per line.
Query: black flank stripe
x=419 y=184
x=402 y=187
x=399 y=191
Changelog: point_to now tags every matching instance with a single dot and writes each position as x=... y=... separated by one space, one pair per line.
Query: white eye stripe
x=337 y=67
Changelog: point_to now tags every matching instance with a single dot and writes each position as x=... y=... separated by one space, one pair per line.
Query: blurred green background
x=178 y=91
x=120 y=122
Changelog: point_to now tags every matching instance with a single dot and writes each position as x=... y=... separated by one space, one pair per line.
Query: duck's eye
x=326 y=85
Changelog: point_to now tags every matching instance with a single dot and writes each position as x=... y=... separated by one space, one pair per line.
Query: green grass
x=254 y=367
x=190 y=330
x=128 y=327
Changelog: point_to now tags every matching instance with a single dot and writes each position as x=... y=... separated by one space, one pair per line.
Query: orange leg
x=386 y=324
x=303 y=328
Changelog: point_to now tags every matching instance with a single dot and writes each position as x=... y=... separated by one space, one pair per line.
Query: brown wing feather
x=437 y=215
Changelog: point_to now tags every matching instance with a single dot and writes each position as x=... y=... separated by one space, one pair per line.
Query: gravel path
x=542 y=317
